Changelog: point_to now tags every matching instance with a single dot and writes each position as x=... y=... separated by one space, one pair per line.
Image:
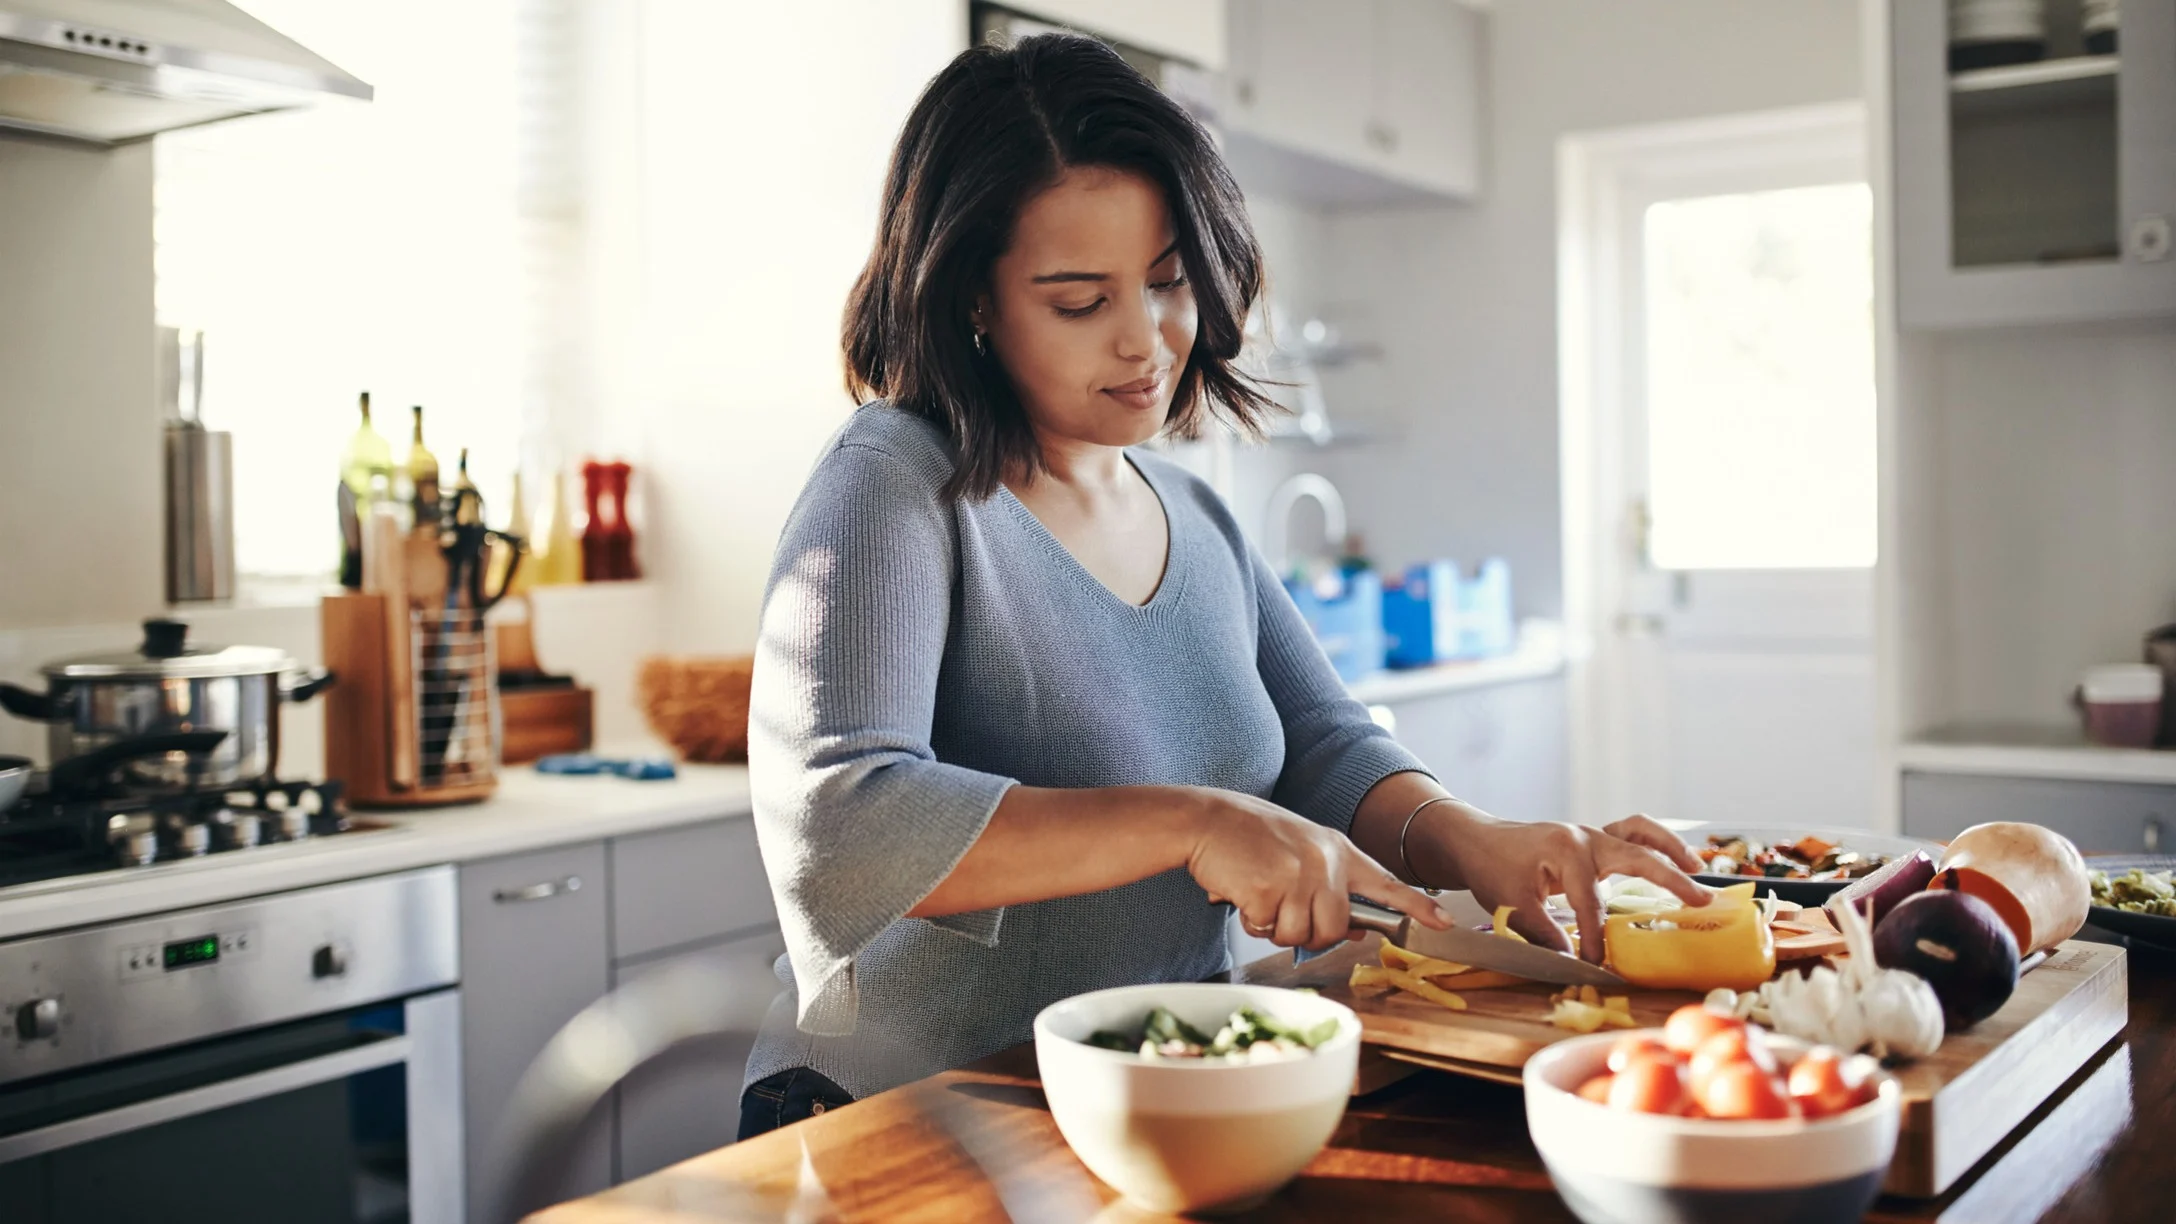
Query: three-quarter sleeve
x=857 y=819
x=1334 y=753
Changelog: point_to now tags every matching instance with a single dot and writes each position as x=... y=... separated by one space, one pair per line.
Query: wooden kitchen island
x=979 y=1144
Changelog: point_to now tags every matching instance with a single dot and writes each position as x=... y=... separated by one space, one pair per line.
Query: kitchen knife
x=1480 y=949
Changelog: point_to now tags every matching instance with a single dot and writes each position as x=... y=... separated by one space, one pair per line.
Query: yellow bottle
x=558 y=559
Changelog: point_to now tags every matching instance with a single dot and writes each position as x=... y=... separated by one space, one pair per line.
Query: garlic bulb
x=1895 y=1013
x=1903 y=1014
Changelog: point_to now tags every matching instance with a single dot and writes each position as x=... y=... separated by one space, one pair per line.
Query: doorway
x=1717 y=351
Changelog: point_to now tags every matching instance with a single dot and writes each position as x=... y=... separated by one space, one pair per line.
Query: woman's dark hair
x=998 y=125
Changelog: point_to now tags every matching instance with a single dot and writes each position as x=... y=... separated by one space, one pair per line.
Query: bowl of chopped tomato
x=1710 y=1118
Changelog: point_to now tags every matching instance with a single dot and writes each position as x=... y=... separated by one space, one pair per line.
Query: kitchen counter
x=531 y=811
x=1539 y=653
x=979 y=1144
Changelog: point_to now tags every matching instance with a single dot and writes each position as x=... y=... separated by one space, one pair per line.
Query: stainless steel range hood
x=108 y=72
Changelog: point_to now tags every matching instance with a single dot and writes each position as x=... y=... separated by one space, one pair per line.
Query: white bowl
x=1185 y=1134
x=1618 y=1167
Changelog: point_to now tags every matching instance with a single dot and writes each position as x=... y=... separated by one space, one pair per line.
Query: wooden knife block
x=414 y=721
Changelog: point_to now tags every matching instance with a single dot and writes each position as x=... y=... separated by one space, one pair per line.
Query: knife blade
x=1481 y=949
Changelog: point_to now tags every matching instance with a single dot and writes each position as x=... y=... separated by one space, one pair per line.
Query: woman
x=1029 y=713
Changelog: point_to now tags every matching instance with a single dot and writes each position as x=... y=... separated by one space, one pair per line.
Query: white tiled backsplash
x=598 y=634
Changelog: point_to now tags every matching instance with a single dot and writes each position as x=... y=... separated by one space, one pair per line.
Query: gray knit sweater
x=918 y=657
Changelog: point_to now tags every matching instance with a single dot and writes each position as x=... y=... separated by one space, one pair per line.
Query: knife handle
x=1368 y=916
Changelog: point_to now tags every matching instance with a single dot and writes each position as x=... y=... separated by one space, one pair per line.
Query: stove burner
x=48 y=834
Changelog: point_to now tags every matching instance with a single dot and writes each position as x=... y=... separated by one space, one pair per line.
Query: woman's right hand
x=1291 y=880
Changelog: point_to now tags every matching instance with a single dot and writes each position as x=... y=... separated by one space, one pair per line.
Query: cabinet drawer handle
x=2153 y=835
x=538 y=892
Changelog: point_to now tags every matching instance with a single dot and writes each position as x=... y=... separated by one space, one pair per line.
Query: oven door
x=354 y=1116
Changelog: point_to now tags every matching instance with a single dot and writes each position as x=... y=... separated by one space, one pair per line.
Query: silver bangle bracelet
x=1405 y=859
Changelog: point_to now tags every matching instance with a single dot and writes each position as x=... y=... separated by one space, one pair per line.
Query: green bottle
x=366 y=477
x=366 y=463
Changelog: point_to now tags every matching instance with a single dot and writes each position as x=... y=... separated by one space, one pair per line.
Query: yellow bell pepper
x=1723 y=943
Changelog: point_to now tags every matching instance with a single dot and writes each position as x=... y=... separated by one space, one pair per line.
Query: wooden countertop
x=979 y=1144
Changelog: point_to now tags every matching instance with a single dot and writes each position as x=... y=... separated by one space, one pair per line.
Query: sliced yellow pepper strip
x=1502 y=924
x=1394 y=957
x=1723 y=943
x=1370 y=976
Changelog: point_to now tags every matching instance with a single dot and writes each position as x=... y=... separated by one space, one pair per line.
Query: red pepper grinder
x=596 y=551
x=620 y=537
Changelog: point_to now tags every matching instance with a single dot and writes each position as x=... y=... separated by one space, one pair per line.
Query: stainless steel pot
x=167 y=685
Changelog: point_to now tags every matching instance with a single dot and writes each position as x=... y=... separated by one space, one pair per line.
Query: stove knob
x=140 y=848
x=38 y=1020
x=195 y=840
x=294 y=824
x=330 y=960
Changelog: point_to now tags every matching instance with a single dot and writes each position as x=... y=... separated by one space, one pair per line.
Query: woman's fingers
x=1532 y=920
x=1643 y=830
x=1615 y=857
x=1587 y=906
x=1370 y=880
x=1332 y=917
x=1295 y=920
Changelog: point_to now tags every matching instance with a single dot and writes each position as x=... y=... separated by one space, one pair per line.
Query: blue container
x=1436 y=615
x=1345 y=611
x=1420 y=616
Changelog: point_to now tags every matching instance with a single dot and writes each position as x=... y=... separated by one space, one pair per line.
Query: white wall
x=80 y=447
x=2044 y=541
x=1463 y=299
x=759 y=147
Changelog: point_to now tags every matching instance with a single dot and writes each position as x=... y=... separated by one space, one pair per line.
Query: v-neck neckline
x=1168 y=587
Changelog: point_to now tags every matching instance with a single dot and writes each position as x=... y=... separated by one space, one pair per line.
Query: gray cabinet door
x=1502 y=748
x=687 y=1101
x=2016 y=155
x=687 y=886
x=2100 y=817
x=1428 y=65
x=533 y=953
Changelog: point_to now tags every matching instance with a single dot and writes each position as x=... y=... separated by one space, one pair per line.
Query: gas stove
x=50 y=833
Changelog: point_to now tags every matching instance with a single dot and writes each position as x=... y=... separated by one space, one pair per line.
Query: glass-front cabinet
x=2042 y=189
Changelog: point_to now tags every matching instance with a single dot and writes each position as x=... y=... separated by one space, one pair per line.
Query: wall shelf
x=2050 y=82
x=2024 y=751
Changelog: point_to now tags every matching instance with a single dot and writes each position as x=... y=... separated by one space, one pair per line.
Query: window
x=1760 y=379
x=410 y=247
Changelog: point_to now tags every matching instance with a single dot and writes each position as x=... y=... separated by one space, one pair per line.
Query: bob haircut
x=997 y=126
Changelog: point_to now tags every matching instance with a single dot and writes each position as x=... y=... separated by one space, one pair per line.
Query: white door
x=1726 y=373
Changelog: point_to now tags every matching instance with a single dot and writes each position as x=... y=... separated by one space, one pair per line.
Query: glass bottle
x=422 y=472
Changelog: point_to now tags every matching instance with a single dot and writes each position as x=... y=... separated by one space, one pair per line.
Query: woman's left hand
x=1520 y=864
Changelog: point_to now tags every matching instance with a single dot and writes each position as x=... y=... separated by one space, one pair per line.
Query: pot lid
x=167 y=654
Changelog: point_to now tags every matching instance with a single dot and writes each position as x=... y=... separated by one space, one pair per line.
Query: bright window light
x=390 y=247
x=1760 y=380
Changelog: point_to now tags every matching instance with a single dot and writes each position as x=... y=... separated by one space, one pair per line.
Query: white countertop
x=1539 y=653
x=530 y=811
x=2033 y=752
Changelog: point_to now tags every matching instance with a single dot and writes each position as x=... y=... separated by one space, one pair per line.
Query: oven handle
x=325 y=1068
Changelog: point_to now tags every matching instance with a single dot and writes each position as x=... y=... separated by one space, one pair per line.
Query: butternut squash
x=2033 y=877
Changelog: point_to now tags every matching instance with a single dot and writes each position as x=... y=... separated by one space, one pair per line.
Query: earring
x=982 y=347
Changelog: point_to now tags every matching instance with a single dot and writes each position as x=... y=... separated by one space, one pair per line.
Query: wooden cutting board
x=1958 y=1104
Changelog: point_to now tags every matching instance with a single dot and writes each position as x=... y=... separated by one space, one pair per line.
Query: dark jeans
x=785 y=1098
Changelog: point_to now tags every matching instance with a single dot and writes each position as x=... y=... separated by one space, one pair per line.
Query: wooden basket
x=699 y=705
